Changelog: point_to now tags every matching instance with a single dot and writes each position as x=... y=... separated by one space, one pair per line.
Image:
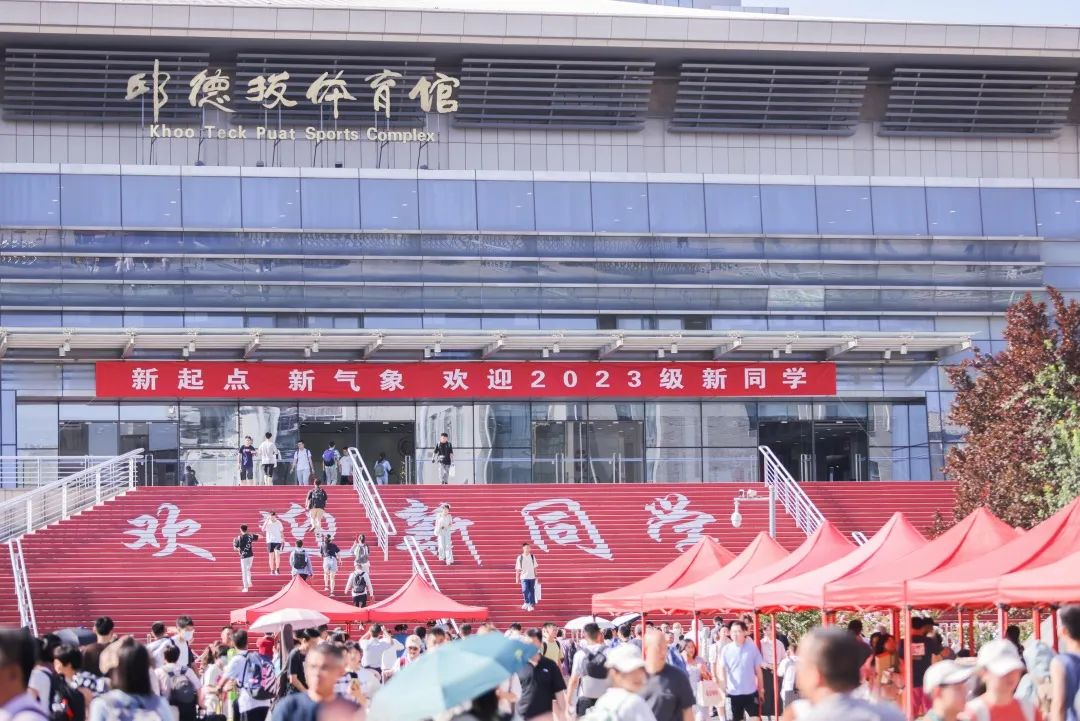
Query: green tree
x=1018 y=408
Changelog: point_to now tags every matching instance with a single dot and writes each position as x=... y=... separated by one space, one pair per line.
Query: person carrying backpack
x=254 y=676
x=316 y=506
x=300 y=561
x=331 y=459
x=179 y=685
x=589 y=670
x=245 y=546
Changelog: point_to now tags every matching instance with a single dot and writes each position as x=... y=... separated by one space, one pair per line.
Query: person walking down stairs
x=444 y=522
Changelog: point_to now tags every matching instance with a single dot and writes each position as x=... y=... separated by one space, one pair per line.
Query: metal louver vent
x=785 y=99
x=587 y=94
x=305 y=69
x=935 y=101
x=90 y=85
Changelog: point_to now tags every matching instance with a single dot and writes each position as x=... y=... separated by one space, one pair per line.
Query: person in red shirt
x=1000 y=668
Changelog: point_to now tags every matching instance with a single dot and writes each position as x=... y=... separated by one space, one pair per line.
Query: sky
x=1017 y=12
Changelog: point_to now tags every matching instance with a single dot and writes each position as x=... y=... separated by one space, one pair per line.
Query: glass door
x=841 y=451
x=616 y=452
x=792 y=442
x=557 y=451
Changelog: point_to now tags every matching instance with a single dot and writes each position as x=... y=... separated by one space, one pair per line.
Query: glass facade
x=454 y=251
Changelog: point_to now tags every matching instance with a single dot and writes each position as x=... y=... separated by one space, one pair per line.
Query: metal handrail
x=368 y=491
x=808 y=517
x=27 y=618
x=58 y=500
x=26 y=471
x=421 y=568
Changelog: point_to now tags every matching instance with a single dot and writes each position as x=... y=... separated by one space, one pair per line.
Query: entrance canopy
x=761 y=552
x=298 y=594
x=975 y=583
x=883 y=586
x=418 y=601
x=896 y=539
x=702 y=559
x=825 y=546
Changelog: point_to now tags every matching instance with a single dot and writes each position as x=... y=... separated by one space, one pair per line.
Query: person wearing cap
x=413 y=648
x=1000 y=668
x=828 y=674
x=245 y=672
x=946 y=685
x=622 y=700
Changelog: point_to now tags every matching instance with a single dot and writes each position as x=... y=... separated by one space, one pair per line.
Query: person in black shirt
x=924 y=649
x=443 y=453
x=667 y=692
x=330 y=551
x=295 y=662
x=247 y=460
x=244 y=545
x=543 y=690
x=316 y=506
x=324 y=665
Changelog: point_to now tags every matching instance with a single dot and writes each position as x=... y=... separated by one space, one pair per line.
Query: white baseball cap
x=625 y=658
x=946 y=673
x=1000 y=657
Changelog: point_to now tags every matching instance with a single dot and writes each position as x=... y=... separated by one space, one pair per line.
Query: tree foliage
x=1019 y=410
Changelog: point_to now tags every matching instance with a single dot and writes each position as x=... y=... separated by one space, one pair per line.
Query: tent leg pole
x=1036 y=620
x=776 y=669
x=909 y=674
x=960 y=625
x=895 y=618
x=1054 y=628
x=757 y=629
x=1003 y=620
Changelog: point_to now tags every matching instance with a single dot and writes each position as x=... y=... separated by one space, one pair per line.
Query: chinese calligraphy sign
x=465 y=380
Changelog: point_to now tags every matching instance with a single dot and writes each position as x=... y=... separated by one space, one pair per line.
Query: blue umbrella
x=449 y=676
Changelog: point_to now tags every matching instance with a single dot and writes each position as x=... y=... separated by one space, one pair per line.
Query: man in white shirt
x=170 y=678
x=769 y=665
x=740 y=674
x=185 y=633
x=622 y=701
x=589 y=671
x=269 y=455
x=374 y=644
x=244 y=670
x=275 y=539
x=525 y=574
x=301 y=465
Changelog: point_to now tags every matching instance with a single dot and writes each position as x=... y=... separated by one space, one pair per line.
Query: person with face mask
x=185 y=634
x=622 y=700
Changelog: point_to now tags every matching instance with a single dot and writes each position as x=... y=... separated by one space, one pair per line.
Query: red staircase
x=866 y=507
x=157 y=553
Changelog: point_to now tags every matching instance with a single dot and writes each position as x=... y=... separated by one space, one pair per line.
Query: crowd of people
x=639 y=672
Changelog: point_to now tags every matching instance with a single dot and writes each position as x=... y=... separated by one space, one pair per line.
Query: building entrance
x=588 y=451
x=397 y=439
x=834 y=450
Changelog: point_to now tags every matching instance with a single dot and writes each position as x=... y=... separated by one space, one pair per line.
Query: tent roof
x=1054 y=583
x=695 y=563
x=896 y=539
x=826 y=545
x=976 y=581
x=298 y=594
x=882 y=586
x=761 y=552
x=417 y=600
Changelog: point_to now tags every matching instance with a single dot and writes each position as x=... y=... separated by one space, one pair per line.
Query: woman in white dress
x=698 y=670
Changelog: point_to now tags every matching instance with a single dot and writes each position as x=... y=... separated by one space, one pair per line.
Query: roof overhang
x=375 y=344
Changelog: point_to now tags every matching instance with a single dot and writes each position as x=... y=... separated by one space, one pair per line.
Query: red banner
x=442 y=380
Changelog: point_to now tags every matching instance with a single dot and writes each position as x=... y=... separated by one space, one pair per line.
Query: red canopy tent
x=761 y=552
x=882 y=586
x=298 y=594
x=975 y=583
x=418 y=601
x=825 y=546
x=896 y=539
x=695 y=563
x=1054 y=583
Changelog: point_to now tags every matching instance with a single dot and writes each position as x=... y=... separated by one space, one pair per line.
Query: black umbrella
x=77 y=636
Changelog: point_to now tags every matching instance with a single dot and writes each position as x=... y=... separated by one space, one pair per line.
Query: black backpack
x=299 y=560
x=595 y=664
x=182 y=692
x=65 y=703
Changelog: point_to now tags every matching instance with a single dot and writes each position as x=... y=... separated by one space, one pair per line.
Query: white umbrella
x=578 y=624
x=298 y=618
x=625 y=618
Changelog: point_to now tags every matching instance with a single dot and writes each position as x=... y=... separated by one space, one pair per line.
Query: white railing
x=58 y=500
x=22 y=472
x=859 y=537
x=368 y=491
x=794 y=499
x=421 y=568
x=27 y=618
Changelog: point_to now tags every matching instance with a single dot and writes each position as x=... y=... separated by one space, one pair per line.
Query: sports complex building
x=591 y=242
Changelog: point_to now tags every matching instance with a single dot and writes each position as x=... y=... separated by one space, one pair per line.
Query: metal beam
x=838 y=350
x=129 y=348
x=371 y=347
x=721 y=350
x=3 y=344
x=611 y=347
x=493 y=347
x=252 y=346
x=953 y=349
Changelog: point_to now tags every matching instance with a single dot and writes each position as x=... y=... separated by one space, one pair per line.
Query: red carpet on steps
x=156 y=553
